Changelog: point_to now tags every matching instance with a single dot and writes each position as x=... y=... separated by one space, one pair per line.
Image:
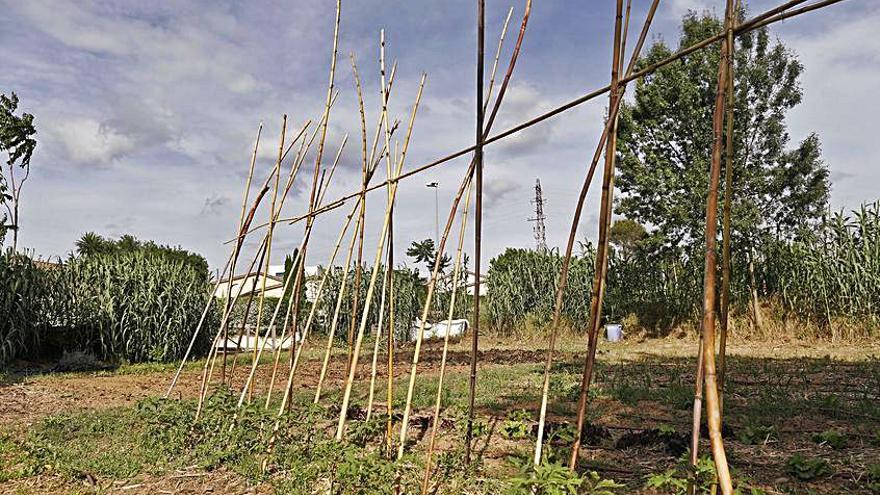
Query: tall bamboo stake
x=270 y=233
x=247 y=188
x=725 y=221
x=291 y=177
x=478 y=226
x=297 y=264
x=572 y=235
x=343 y=414
x=212 y=357
x=769 y=17
x=335 y=320
x=713 y=411
x=601 y=267
x=377 y=341
x=455 y=272
x=495 y=62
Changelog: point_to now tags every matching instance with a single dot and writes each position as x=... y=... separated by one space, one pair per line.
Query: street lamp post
x=435 y=185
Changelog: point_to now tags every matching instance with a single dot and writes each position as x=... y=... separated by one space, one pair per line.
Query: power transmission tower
x=540 y=233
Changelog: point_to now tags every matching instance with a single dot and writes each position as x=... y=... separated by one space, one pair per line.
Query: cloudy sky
x=147 y=111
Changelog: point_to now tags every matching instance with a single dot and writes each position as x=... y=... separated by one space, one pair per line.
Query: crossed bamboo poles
x=724 y=100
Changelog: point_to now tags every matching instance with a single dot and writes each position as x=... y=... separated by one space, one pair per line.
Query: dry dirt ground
x=801 y=389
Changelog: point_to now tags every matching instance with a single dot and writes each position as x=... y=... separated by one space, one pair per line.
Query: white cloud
x=87 y=141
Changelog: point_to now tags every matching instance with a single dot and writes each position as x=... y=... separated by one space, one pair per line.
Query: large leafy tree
x=17 y=141
x=666 y=141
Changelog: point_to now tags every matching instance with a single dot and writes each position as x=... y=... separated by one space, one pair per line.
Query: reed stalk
x=379 y=251
x=601 y=271
x=713 y=411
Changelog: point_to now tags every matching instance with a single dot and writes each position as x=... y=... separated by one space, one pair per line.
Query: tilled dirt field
x=639 y=424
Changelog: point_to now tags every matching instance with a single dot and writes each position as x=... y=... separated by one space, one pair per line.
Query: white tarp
x=249 y=343
x=438 y=330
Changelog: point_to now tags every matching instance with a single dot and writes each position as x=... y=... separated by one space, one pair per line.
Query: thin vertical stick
x=713 y=412
x=725 y=221
x=601 y=266
x=247 y=189
x=572 y=234
x=377 y=341
x=312 y=203
x=478 y=225
x=343 y=413
x=455 y=272
x=297 y=266
x=360 y=255
x=269 y=235
x=495 y=63
x=335 y=321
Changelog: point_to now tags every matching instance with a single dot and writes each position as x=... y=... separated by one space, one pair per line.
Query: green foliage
x=23 y=295
x=806 y=469
x=517 y=424
x=676 y=480
x=522 y=285
x=545 y=479
x=16 y=139
x=130 y=306
x=872 y=475
x=666 y=140
x=753 y=435
x=831 y=438
x=832 y=272
x=426 y=252
x=91 y=244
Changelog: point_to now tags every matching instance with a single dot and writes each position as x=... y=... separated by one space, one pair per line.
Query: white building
x=274 y=283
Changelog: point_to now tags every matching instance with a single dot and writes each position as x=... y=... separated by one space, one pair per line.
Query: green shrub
x=23 y=293
x=129 y=306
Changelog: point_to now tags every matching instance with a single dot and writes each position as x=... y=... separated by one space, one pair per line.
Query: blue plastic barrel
x=614 y=332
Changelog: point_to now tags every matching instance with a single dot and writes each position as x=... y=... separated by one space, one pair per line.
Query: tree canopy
x=666 y=140
x=16 y=139
x=91 y=244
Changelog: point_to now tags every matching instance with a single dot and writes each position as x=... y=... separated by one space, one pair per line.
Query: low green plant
x=753 y=435
x=872 y=475
x=545 y=479
x=517 y=424
x=831 y=438
x=806 y=469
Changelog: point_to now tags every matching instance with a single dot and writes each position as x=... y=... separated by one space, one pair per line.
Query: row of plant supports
x=709 y=375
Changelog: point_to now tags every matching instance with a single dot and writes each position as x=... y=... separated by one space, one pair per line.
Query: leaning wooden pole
x=435 y=424
x=478 y=225
x=726 y=214
x=572 y=235
x=343 y=413
x=713 y=410
x=601 y=265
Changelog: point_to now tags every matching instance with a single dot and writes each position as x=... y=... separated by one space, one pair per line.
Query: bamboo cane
x=247 y=188
x=769 y=17
x=377 y=340
x=566 y=260
x=379 y=250
x=335 y=320
x=495 y=63
x=298 y=269
x=725 y=221
x=269 y=235
x=478 y=230
x=212 y=357
x=713 y=413
x=291 y=177
x=455 y=272
x=601 y=266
